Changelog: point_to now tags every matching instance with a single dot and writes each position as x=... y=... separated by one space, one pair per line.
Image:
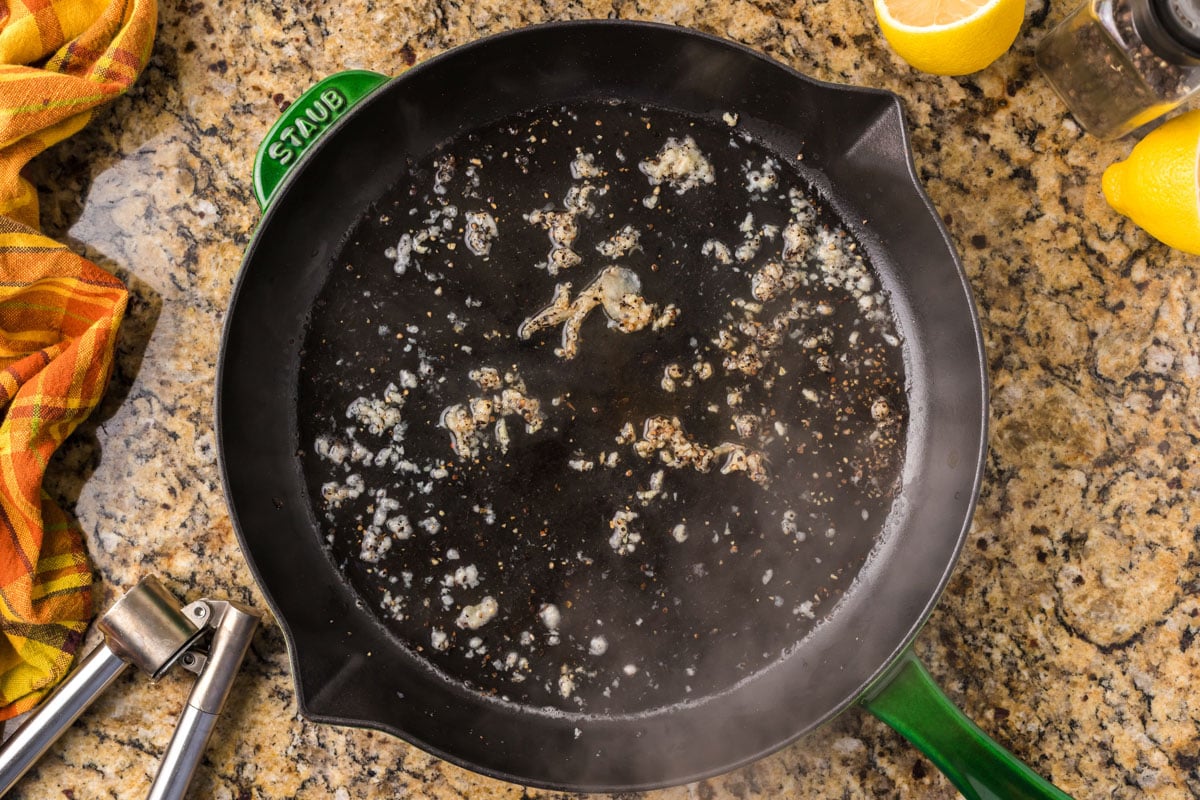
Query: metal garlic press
x=149 y=629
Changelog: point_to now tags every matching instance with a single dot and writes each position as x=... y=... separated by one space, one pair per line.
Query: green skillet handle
x=908 y=700
x=304 y=122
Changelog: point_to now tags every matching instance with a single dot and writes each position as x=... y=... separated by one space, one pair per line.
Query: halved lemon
x=950 y=37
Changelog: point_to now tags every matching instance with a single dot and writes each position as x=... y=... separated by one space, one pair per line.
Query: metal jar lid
x=1171 y=28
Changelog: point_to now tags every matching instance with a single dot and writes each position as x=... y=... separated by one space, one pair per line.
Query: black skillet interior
x=664 y=582
x=350 y=669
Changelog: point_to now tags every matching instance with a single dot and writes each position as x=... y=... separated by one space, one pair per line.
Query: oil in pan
x=601 y=407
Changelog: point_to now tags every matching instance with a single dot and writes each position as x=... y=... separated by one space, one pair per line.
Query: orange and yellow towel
x=59 y=314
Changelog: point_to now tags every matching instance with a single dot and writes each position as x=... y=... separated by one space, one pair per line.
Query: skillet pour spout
x=297 y=319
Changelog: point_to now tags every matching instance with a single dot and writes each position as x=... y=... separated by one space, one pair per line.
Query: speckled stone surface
x=1069 y=628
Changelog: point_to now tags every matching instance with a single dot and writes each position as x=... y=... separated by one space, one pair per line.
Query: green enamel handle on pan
x=304 y=123
x=908 y=700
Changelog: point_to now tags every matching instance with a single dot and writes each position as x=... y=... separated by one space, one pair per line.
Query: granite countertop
x=1068 y=630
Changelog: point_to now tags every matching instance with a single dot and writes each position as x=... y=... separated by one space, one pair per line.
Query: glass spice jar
x=1119 y=64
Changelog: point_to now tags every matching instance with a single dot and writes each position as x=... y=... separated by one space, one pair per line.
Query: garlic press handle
x=43 y=727
x=234 y=628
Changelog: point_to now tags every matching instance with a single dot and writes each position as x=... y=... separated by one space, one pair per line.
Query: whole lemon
x=1157 y=186
x=950 y=37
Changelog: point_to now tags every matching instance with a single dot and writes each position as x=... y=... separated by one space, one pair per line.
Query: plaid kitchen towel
x=59 y=313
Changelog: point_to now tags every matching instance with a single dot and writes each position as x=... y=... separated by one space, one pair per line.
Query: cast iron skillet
x=351 y=670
